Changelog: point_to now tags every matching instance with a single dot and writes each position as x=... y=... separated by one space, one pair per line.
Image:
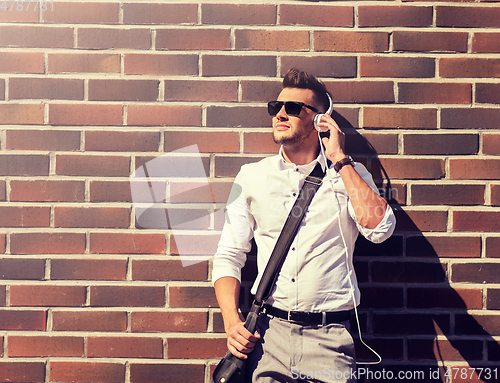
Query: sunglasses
x=292 y=108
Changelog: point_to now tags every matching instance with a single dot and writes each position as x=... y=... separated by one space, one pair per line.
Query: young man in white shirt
x=303 y=334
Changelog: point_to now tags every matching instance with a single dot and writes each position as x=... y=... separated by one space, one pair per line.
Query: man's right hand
x=240 y=341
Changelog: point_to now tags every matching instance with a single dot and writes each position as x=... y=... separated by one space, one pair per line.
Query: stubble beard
x=293 y=138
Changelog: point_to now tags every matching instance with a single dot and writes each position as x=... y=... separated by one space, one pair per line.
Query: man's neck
x=300 y=156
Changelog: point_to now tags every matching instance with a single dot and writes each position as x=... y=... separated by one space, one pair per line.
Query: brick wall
x=91 y=91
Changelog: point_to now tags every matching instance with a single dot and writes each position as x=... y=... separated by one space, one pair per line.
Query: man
x=317 y=275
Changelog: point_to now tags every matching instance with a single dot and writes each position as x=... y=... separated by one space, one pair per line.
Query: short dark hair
x=296 y=78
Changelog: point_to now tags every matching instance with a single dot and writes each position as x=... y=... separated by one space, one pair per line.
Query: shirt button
x=293 y=279
x=293 y=248
x=294 y=194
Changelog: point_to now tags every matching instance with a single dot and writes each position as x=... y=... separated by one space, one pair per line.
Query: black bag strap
x=311 y=184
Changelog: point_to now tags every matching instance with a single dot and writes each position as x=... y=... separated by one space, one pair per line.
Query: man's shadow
x=409 y=314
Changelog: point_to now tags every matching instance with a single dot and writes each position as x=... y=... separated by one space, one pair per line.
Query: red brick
x=130 y=347
x=160 y=13
x=430 y=41
x=199 y=192
x=21 y=114
x=257 y=142
x=240 y=116
x=447 y=194
x=371 y=143
x=262 y=91
x=24 y=165
x=238 y=14
x=43 y=140
x=110 y=191
x=28 y=36
x=22 y=320
x=127 y=243
x=435 y=93
x=441 y=246
x=208 y=142
x=87 y=372
x=441 y=143
x=186 y=244
x=83 y=13
x=414 y=323
x=83 y=63
x=230 y=166
x=486 y=43
x=171 y=321
x=190 y=296
x=168 y=270
x=113 y=38
x=103 y=321
x=47 y=191
x=421 y=220
x=495 y=195
x=275 y=40
x=90 y=165
x=85 y=114
x=123 y=90
x=406 y=168
x=45 y=346
x=46 y=295
x=459 y=350
x=201 y=90
x=491 y=144
x=474 y=169
x=127 y=296
x=318 y=15
x=402 y=67
x=390 y=16
x=493 y=247
x=193 y=39
x=492 y=302
x=392 y=297
x=28 y=216
x=111 y=141
x=156 y=373
x=469 y=67
x=88 y=269
x=22 y=62
x=3 y=240
x=470 y=118
x=485 y=221
x=22 y=372
x=322 y=66
x=375 y=117
x=475 y=272
x=361 y=91
x=468 y=17
x=488 y=93
x=163 y=115
x=348 y=41
x=24 y=269
x=3 y=191
x=231 y=65
x=445 y=298
x=171 y=165
x=159 y=63
x=482 y=324
x=18 y=13
x=198 y=348
x=47 y=243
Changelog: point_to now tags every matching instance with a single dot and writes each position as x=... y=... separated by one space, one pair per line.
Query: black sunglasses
x=292 y=108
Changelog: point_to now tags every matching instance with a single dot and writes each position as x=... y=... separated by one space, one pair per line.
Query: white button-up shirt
x=318 y=273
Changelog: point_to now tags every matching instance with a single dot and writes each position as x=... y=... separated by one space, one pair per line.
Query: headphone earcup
x=316 y=121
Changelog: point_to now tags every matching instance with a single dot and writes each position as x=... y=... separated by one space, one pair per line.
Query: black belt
x=305 y=318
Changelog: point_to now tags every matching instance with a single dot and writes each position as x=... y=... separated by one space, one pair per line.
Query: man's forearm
x=369 y=207
x=227 y=291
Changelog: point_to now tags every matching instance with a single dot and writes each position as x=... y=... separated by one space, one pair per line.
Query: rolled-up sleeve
x=235 y=239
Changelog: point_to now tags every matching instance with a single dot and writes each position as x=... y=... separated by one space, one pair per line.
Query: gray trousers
x=292 y=353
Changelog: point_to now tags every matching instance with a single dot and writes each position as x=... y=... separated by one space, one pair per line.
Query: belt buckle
x=298 y=316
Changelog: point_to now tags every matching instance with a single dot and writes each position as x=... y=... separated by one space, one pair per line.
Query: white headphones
x=317 y=118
